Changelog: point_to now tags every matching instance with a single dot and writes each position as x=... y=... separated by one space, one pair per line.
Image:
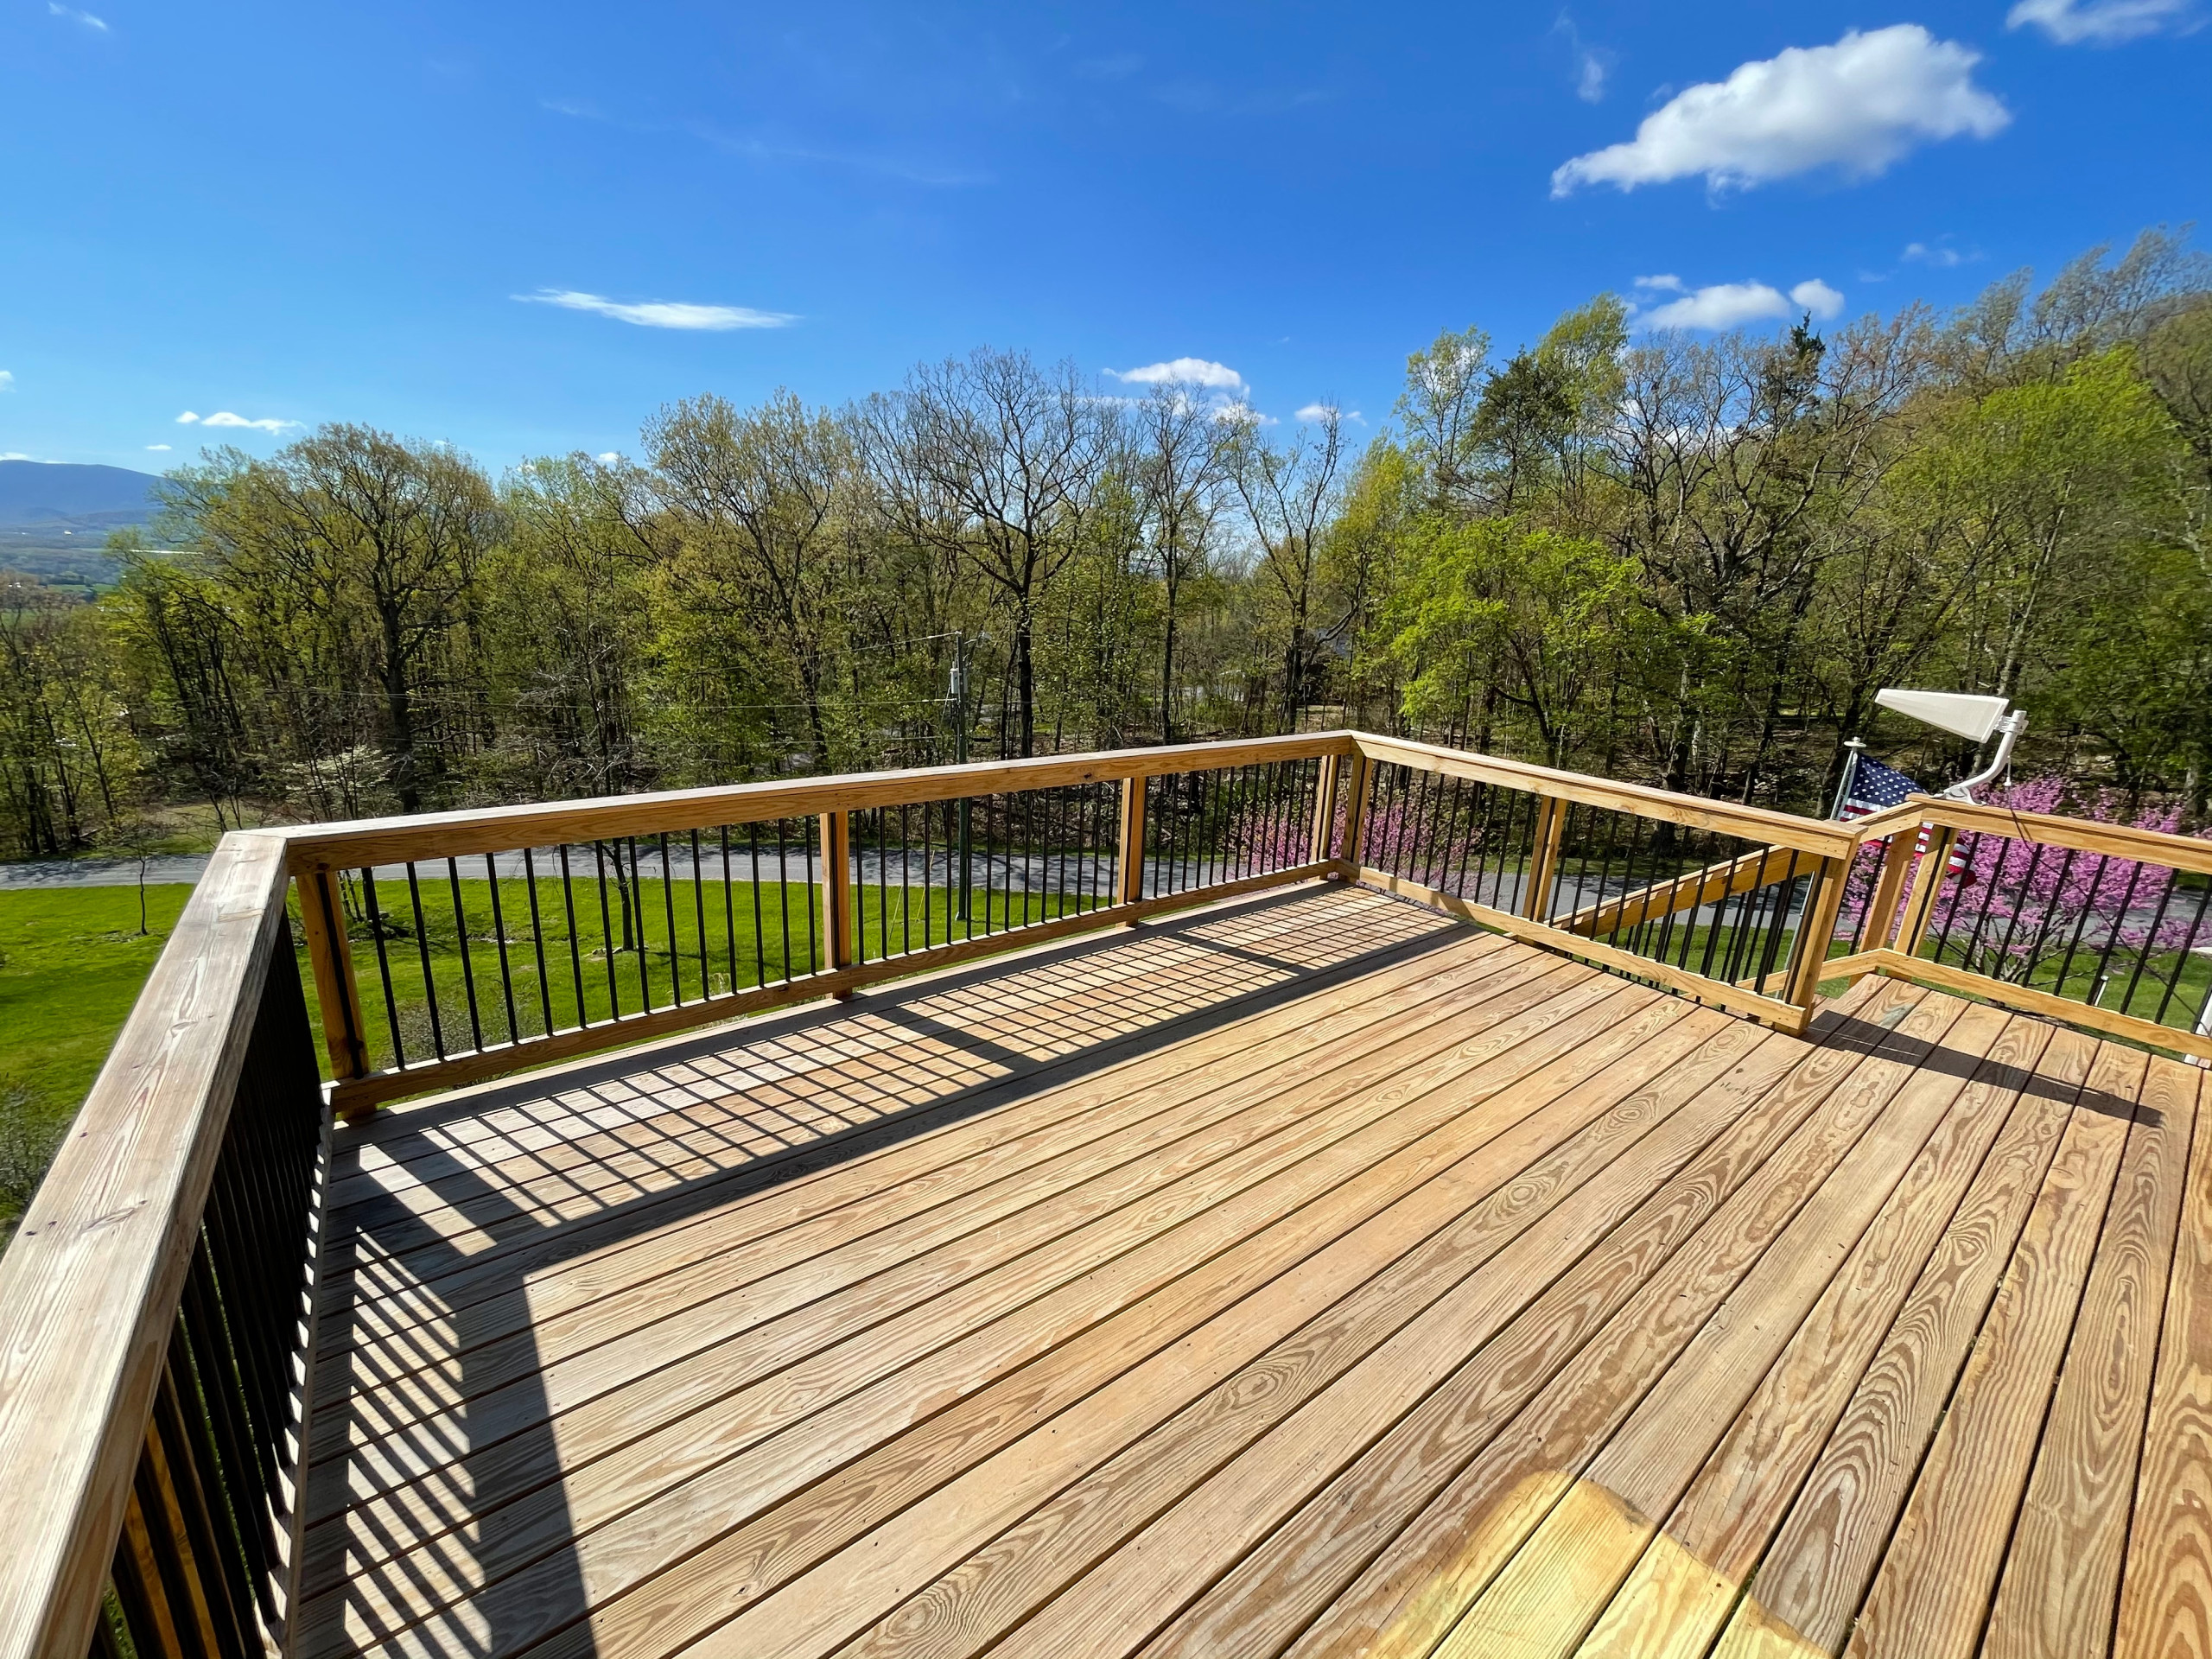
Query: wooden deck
x=1310 y=1275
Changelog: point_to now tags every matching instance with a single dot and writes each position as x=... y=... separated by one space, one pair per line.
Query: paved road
x=100 y=872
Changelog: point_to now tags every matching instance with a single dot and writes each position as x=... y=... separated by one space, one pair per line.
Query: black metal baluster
x=699 y=919
x=906 y=884
x=2025 y=886
x=2112 y=935
x=814 y=962
x=598 y=851
x=628 y=845
x=499 y=932
x=668 y=904
x=575 y=942
x=759 y=927
x=2181 y=953
x=468 y=968
x=2150 y=939
x=730 y=910
x=538 y=940
x=2082 y=923
x=422 y=948
x=384 y=968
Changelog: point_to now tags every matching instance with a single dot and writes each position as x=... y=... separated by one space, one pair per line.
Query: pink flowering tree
x=2060 y=918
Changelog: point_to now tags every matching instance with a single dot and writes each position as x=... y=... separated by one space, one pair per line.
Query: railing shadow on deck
x=527 y=1462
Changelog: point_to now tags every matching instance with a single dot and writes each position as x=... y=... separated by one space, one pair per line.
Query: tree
x=569 y=633
x=369 y=544
x=1290 y=496
x=1537 y=616
x=1178 y=452
x=755 y=500
x=999 y=462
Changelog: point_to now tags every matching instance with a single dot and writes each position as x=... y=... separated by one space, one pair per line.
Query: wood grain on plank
x=1412 y=1595
x=1138 y=1106
x=1167 y=1239
x=1551 y=1592
x=692 y=1305
x=1333 y=1513
x=1702 y=1156
x=573 y=1156
x=2165 y=1603
x=931 y=1534
x=89 y=1286
x=2061 y=1581
x=1001 y=1582
x=984 y=1132
x=1813 y=1576
x=1126 y=1198
x=1932 y=1594
x=1686 y=1584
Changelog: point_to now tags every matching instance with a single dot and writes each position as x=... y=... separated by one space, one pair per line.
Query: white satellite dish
x=1965 y=714
x=1959 y=712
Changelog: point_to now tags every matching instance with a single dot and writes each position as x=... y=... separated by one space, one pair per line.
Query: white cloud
x=1184 y=371
x=608 y=457
x=7 y=381
x=1858 y=105
x=226 y=418
x=1592 y=63
x=2102 y=23
x=1240 y=413
x=17 y=455
x=54 y=9
x=1817 y=297
x=660 y=314
x=1938 y=254
x=1730 y=305
x=156 y=448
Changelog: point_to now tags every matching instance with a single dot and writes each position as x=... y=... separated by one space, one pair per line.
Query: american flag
x=1876 y=788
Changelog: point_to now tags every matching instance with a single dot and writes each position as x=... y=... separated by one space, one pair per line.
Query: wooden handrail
x=368 y=841
x=1750 y=823
x=90 y=1288
x=2121 y=840
x=1760 y=867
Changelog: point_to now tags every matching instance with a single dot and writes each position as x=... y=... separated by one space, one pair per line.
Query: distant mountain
x=50 y=495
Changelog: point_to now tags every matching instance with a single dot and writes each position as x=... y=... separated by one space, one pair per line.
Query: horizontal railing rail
x=156 y=1308
x=457 y=946
x=1726 y=904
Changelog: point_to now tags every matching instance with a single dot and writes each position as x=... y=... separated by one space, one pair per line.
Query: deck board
x=1307 y=1274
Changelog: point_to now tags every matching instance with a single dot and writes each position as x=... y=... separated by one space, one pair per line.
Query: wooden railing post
x=1129 y=849
x=1543 y=857
x=1357 y=789
x=1324 y=809
x=1889 y=891
x=837 y=891
x=1935 y=867
x=1815 y=930
x=330 y=954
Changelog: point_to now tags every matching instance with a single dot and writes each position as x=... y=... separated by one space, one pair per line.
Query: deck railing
x=155 y=1314
x=2098 y=924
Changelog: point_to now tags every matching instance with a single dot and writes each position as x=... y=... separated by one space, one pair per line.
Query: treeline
x=1688 y=561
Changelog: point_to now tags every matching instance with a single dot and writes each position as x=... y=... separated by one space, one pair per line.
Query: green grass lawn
x=577 y=960
x=72 y=960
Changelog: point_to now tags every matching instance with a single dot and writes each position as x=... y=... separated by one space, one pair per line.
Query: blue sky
x=443 y=220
